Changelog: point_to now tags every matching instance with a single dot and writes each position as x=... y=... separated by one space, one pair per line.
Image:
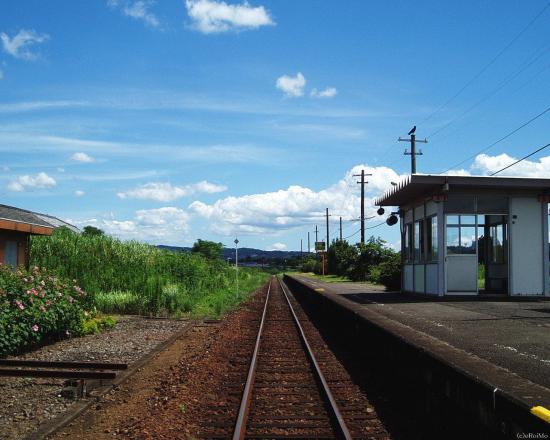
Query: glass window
x=408 y=242
x=452 y=220
x=468 y=220
x=468 y=239
x=431 y=238
x=419 y=240
x=461 y=236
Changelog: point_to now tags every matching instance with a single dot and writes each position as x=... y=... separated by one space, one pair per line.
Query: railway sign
x=320 y=246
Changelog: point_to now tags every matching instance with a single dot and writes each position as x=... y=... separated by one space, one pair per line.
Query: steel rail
x=344 y=431
x=240 y=425
x=61 y=374
x=62 y=364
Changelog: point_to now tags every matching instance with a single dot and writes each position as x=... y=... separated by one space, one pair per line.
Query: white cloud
x=18 y=45
x=295 y=206
x=138 y=10
x=210 y=16
x=485 y=165
x=167 y=225
x=166 y=192
x=329 y=92
x=277 y=247
x=489 y=164
x=292 y=86
x=82 y=157
x=79 y=193
x=41 y=180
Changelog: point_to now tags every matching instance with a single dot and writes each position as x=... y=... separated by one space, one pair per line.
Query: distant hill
x=244 y=253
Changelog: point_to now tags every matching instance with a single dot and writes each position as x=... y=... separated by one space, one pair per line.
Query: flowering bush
x=37 y=306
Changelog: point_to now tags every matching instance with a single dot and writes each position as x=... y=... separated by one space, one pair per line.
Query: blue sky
x=174 y=120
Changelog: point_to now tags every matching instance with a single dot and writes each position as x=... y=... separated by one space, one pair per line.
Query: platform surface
x=513 y=334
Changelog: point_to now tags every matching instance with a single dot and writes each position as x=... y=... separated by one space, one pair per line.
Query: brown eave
x=418 y=186
x=29 y=228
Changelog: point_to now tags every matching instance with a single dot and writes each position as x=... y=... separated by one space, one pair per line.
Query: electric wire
x=525 y=124
x=520 y=160
x=489 y=64
x=492 y=93
x=375 y=226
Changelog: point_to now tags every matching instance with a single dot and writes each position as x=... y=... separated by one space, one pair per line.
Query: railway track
x=294 y=387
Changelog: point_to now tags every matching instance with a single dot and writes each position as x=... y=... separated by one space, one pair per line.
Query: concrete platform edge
x=502 y=400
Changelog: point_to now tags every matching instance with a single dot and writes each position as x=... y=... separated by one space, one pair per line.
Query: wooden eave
x=29 y=228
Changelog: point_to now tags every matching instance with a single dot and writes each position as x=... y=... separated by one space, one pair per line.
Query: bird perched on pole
x=412 y=130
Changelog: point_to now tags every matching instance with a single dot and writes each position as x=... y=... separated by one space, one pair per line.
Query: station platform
x=500 y=347
x=513 y=334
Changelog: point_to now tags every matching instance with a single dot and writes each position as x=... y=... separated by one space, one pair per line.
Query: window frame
x=432 y=246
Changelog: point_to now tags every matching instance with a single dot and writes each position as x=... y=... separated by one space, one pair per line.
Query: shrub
x=97 y=324
x=36 y=306
x=390 y=272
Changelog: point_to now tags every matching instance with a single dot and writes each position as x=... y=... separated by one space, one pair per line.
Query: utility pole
x=362 y=182
x=308 y=247
x=413 y=153
x=328 y=236
x=340 y=228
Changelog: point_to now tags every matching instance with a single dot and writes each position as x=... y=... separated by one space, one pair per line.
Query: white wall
x=526 y=246
x=432 y=276
x=408 y=278
x=419 y=278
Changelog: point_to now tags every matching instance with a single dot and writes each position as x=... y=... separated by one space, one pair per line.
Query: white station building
x=469 y=235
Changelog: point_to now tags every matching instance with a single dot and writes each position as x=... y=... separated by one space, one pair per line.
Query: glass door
x=461 y=265
x=493 y=253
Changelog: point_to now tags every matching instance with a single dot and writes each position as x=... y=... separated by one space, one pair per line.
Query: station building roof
x=17 y=219
x=423 y=185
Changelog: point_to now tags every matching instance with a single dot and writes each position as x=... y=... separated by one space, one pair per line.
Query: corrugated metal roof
x=417 y=186
x=32 y=218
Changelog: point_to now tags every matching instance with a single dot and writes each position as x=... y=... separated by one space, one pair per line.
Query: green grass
x=136 y=278
x=331 y=278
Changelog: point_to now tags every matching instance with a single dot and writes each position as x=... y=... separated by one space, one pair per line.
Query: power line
x=492 y=93
x=477 y=75
x=525 y=124
x=519 y=160
x=355 y=233
x=375 y=226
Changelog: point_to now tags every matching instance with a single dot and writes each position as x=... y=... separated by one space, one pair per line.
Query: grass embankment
x=133 y=277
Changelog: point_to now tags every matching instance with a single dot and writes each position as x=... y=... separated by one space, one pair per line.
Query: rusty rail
x=62 y=364
x=240 y=425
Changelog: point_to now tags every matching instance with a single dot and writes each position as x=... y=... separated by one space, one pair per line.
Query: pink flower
x=20 y=304
x=35 y=328
x=43 y=309
x=70 y=299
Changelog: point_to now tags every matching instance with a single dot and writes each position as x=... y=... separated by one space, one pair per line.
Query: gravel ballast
x=26 y=403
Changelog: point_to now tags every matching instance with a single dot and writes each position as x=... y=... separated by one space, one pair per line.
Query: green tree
x=341 y=257
x=91 y=231
x=371 y=254
x=208 y=249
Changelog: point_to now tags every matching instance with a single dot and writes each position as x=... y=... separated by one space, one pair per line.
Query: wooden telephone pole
x=413 y=153
x=362 y=182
